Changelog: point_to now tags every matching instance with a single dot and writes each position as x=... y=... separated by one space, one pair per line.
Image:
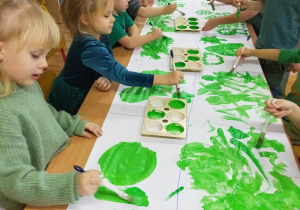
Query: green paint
x=212 y=128
x=208 y=61
x=138 y=94
x=280 y=167
x=193 y=23
x=176 y=104
x=165 y=2
x=180 y=64
x=161 y=22
x=155 y=47
x=194 y=27
x=127 y=163
x=225 y=49
x=154 y=114
x=182 y=27
x=193 y=58
x=184 y=95
x=175 y=128
x=192 y=19
x=192 y=51
x=236 y=133
x=225 y=174
x=204 y=12
x=212 y=40
x=139 y=197
x=175 y=192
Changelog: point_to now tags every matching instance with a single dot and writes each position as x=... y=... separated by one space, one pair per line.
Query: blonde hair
x=71 y=10
x=29 y=24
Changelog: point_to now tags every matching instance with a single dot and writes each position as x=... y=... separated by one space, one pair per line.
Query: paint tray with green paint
x=187 y=59
x=165 y=117
x=187 y=24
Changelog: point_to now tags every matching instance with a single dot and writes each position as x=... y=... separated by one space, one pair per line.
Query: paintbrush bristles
x=260 y=140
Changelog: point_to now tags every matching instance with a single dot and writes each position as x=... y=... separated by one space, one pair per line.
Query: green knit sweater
x=32 y=132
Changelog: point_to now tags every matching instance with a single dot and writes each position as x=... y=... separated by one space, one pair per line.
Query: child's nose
x=43 y=64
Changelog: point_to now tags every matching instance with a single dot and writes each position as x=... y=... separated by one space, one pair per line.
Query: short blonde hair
x=28 y=23
x=71 y=10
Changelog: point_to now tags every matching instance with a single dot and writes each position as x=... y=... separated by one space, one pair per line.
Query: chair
x=46 y=81
x=60 y=48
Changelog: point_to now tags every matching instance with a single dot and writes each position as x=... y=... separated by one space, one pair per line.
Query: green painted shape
x=154 y=114
x=175 y=128
x=212 y=40
x=161 y=22
x=192 y=19
x=138 y=94
x=180 y=64
x=176 y=104
x=212 y=128
x=193 y=58
x=206 y=56
x=280 y=167
x=127 y=163
x=192 y=52
x=175 y=192
x=166 y=2
x=194 y=27
x=182 y=27
x=184 y=95
x=204 y=12
x=139 y=197
x=155 y=47
x=193 y=23
x=228 y=49
x=236 y=133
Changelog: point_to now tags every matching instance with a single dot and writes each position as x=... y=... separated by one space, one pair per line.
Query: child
x=141 y=9
x=288 y=109
x=125 y=32
x=90 y=56
x=31 y=131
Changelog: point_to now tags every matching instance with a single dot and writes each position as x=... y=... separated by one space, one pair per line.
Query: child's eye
x=35 y=56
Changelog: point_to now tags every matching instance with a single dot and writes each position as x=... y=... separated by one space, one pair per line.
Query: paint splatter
x=161 y=22
x=223 y=171
x=225 y=49
x=212 y=59
x=127 y=163
x=212 y=40
x=175 y=192
x=155 y=47
x=184 y=95
x=165 y=2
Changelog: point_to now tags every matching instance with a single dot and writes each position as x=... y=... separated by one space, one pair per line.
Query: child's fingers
x=87 y=135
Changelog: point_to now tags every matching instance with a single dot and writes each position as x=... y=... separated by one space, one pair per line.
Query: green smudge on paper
x=161 y=22
x=212 y=40
x=175 y=128
x=176 y=104
x=139 y=197
x=184 y=95
x=154 y=114
x=155 y=47
x=225 y=49
x=175 y=192
x=127 y=163
x=209 y=57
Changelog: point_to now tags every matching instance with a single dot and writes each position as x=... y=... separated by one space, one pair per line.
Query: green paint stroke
x=175 y=129
x=204 y=12
x=138 y=94
x=175 y=192
x=161 y=22
x=127 y=163
x=184 y=95
x=155 y=47
x=139 y=197
x=165 y=2
x=225 y=174
x=212 y=128
x=176 y=104
x=225 y=49
x=280 y=167
x=208 y=59
x=155 y=114
x=212 y=40
x=236 y=133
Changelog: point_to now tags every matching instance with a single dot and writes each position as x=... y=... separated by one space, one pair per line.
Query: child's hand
x=244 y=53
x=156 y=33
x=144 y=3
x=102 y=84
x=294 y=67
x=88 y=182
x=170 y=8
x=280 y=108
x=211 y=24
x=244 y=3
x=174 y=78
x=92 y=127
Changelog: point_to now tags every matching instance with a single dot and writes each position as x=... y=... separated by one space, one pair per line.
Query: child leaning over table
x=32 y=132
x=288 y=109
x=125 y=32
x=90 y=57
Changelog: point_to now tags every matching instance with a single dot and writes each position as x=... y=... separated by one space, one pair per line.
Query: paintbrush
x=154 y=27
x=212 y=5
x=264 y=129
x=108 y=185
x=238 y=59
x=182 y=13
x=174 y=69
x=238 y=12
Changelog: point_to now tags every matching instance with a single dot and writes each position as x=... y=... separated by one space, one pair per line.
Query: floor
x=56 y=64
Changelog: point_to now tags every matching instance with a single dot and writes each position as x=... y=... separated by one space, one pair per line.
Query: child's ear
x=84 y=19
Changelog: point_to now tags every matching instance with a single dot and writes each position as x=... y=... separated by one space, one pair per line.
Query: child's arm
x=282 y=107
x=147 y=12
x=270 y=54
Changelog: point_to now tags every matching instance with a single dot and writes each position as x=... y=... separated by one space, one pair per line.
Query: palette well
x=165 y=117
x=187 y=24
x=187 y=59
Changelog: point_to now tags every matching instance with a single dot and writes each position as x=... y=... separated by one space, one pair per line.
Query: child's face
x=24 y=66
x=121 y=5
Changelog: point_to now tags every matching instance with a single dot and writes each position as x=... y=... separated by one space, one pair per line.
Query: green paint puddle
x=182 y=27
x=139 y=197
x=194 y=27
x=161 y=22
x=184 y=95
x=155 y=47
x=176 y=104
x=180 y=64
x=175 y=192
x=154 y=114
x=224 y=172
x=209 y=59
x=192 y=19
x=192 y=51
x=127 y=163
x=193 y=58
x=175 y=128
x=225 y=49
x=212 y=40
x=193 y=23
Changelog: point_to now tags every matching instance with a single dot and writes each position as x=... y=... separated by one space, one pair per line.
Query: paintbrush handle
x=264 y=129
x=238 y=59
x=108 y=185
